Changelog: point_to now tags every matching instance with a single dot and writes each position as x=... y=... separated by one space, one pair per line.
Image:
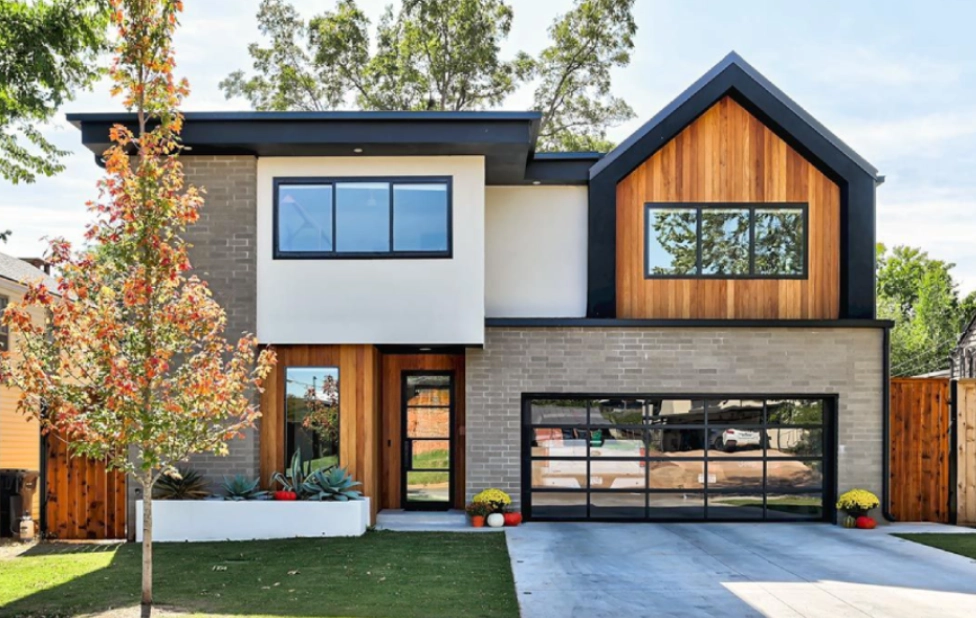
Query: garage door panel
x=678 y=459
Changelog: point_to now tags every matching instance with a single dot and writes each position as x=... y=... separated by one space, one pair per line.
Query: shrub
x=294 y=478
x=181 y=484
x=331 y=484
x=495 y=498
x=242 y=488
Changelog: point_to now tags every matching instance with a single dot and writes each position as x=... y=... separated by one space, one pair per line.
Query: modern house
x=681 y=329
x=20 y=437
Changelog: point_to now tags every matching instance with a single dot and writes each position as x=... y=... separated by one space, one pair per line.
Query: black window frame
x=334 y=254
x=752 y=207
x=4 y=330
x=829 y=457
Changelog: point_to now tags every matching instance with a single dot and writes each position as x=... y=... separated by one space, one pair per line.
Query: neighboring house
x=681 y=329
x=20 y=439
x=963 y=358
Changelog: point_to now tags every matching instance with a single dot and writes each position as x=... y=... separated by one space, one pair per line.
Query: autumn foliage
x=135 y=353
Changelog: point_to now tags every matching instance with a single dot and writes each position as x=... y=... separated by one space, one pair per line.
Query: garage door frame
x=830 y=454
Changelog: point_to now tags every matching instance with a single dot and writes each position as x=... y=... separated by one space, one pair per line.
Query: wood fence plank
x=919 y=449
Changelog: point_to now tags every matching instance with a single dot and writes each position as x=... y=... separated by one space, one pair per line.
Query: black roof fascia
x=505 y=139
x=734 y=77
x=560 y=168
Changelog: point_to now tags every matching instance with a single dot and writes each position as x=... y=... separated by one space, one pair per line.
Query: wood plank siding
x=728 y=155
x=966 y=451
x=919 y=450
x=20 y=436
x=84 y=500
x=359 y=411
x=393 y=367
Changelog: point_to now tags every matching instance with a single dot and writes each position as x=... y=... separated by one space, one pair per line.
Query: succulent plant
x=331 y=484
x=242 y=488
x=294 y=477
x=181 y=484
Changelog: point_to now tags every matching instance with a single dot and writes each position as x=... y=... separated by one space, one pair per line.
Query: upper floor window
x=362 y=218
x=4 y=331
x=725 y=241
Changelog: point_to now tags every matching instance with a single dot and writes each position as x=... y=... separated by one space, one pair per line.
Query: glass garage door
x=669 y=459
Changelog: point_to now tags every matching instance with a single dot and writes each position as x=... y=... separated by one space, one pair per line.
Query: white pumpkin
x=496 y=520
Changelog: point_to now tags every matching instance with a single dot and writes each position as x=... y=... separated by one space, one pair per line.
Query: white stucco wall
x=382 y=301
x=535 y=255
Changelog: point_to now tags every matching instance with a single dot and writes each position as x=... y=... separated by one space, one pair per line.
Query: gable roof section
x=735 y=77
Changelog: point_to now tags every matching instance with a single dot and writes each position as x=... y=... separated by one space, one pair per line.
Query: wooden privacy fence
x=84 y=501
x=918 y=455
x=965 y=459
x=932 y=450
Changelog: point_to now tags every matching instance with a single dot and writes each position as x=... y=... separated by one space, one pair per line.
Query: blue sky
x=896 y=80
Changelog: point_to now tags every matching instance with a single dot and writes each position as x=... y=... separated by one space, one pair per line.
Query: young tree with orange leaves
x=134 y=358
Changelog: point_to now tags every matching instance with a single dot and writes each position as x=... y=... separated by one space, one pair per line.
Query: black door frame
x=830 y=458
x=405 y=456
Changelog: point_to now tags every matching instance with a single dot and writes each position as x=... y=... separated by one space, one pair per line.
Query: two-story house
x=681 y=329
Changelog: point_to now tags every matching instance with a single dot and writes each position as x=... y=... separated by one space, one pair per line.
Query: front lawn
x=962 y=544
x=399 y=574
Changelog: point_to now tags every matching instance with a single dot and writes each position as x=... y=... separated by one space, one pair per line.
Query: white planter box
x=220 y=520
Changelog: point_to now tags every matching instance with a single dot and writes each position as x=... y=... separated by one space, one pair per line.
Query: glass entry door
x=428 y=440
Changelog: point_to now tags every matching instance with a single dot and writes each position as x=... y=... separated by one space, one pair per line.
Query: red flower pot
x=866 y=523
x=285 y=495
x=513 y=519
x=478 y=521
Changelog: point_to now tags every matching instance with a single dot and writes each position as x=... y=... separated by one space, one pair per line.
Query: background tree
x=574 y=90
x=442 y=55
x=50 y=50
x=921 y=296
x=135 y=361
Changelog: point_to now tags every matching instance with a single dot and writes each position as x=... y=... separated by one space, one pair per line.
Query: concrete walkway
x=782 y=570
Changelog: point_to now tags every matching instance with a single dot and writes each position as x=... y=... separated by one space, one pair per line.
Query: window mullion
x=698 y=242
x=389 y=197
x=752 y=241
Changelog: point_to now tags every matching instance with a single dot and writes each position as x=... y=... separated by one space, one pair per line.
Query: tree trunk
x=147 y=564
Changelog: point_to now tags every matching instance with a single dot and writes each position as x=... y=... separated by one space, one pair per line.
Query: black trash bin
x=17 y=487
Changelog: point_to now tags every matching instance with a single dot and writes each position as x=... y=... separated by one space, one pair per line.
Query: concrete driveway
x=784 y=570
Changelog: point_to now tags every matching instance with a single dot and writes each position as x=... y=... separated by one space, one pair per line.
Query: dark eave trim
x=635 y=323
x=560 y=168
x=734 y=77
x=505 y=139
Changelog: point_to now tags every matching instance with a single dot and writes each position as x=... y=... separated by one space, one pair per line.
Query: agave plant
x=331 y=484
x=294 y=478
x=181 y=484
x=242 y=488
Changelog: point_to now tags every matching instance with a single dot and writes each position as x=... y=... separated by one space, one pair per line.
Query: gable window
x=4 y=330
x=362 y=218
x=725 y=241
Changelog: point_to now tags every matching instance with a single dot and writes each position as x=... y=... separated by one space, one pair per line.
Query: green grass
x=432 y=459
x=785 y=504
x=398 y=574
x=962 y=544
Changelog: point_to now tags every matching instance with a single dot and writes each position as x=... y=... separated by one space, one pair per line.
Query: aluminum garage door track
x=592 y=570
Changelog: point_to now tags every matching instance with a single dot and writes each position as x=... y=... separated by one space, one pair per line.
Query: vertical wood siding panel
x=728 y=155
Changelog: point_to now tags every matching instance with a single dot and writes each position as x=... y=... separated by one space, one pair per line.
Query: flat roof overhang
x=505 y=139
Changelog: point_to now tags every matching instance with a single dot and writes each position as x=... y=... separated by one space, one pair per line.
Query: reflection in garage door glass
x=658 y=458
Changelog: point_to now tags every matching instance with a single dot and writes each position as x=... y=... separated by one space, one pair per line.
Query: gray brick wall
x=845 y=362
x=223 y=255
